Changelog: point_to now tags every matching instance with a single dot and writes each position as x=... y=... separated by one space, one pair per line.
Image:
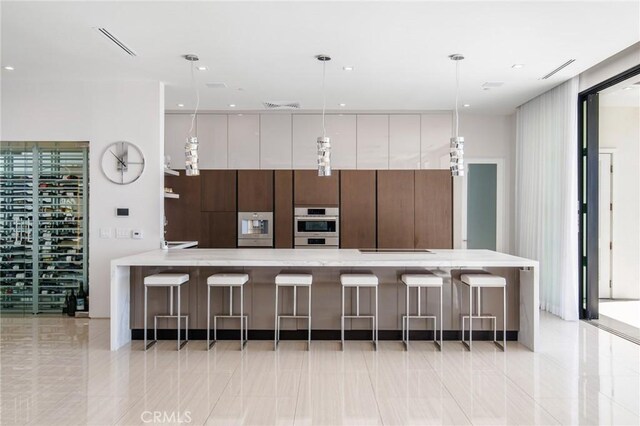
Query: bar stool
x=170 y=281
x=295 y=281
x=480 y=281
x=358 y=281
x=419 y=281
x=231 y=281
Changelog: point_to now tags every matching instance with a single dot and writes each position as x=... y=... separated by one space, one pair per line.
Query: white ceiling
x=623 y=94
x=264 y=51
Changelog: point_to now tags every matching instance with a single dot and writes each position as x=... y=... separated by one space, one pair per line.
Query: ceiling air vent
x=492 y=85
x=566 y=64
x=217 y=85
x=281 y=105
x=115 y=41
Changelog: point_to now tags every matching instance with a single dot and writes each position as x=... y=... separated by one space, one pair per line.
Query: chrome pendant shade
x=324 y=142
x=456 y=145
x=324 y=156
x=191 y=146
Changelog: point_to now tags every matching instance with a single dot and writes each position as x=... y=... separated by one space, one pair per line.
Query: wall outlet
x=105 y=233
x=136 y=234
x=123 y=233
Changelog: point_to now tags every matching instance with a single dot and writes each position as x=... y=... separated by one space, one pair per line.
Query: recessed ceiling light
x=517 y=66
x=347 y=68
x=8 y=68
x=466 y=105
x=343 y=105
x=180 y=105
x=202 y=68
x=232 y=105
x=628 y=88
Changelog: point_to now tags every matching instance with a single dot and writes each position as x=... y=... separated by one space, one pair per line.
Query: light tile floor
x=60 y=371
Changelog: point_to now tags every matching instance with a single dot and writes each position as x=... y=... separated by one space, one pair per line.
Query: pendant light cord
x=457 y=93
x=324 y=97
x=195 y=88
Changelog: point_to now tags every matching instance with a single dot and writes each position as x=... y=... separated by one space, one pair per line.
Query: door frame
x=500 y=202
x=588 y=157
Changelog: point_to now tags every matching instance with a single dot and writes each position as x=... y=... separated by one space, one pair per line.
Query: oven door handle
x=315 y=218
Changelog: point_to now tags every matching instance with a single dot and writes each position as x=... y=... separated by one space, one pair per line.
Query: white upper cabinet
x=306 y=130
x=341 y=128
x=275 y=141
x=404 y=141
x=244 y=141
x=176 y=131
x=212 y=141
x=436 y=132
x=373 y=141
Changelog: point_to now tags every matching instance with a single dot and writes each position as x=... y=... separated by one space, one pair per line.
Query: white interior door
x=605 y=201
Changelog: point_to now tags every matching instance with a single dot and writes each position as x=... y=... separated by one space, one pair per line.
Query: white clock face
x=122 y=163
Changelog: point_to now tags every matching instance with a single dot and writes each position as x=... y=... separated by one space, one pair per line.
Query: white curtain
x=547 y=194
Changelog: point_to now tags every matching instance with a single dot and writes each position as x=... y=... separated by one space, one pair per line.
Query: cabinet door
x=404 y=141
x=218 y=230
x=244 y=141
x=306 y=130
x=395 y=209
x=436 y=132
x=283 y=209
x=218 y=190
x=255 y=190
x=311 y=190
x=373 y=142
x=341 y=128
x=275 y=141
x=183 y=214
x=176 y=131
x=212 y=140
x=358 y=209
x=433 y=209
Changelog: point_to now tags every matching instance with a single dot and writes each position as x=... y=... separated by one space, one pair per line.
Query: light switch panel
x=122 y=233
x=105 y=232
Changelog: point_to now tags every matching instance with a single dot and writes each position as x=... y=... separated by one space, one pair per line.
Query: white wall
x=620 y=129
x=100 y=113
x=612 y=66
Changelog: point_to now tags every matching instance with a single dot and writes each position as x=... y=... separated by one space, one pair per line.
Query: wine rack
x=43 y=231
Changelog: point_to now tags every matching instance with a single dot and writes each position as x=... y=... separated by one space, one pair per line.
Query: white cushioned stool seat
x=225 y=280
x=358 y=280
x=483 y=280
x=166 y=279
x=422 y=280
x=294 y=279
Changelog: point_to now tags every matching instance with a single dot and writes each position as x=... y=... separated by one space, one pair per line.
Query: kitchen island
x=326 y=265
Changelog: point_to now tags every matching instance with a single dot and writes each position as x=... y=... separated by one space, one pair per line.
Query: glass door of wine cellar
x=43 y=224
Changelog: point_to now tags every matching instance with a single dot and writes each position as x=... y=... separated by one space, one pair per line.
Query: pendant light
x=323 y=142
x=191 y=146
x=456 y=147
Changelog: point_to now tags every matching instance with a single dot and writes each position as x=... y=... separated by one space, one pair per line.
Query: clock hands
x=118 y=158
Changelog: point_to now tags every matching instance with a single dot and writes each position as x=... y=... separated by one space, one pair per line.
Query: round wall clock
x=122 y=163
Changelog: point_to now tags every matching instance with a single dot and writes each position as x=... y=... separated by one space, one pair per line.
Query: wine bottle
x=73 y=303
x=80 y=301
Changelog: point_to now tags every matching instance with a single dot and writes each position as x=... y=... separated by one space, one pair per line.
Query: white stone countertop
x=323 y=258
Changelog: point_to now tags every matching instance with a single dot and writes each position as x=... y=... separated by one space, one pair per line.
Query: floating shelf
x=171 y=172
x=171 y=195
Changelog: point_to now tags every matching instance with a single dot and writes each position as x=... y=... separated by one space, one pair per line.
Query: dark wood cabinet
x=183 y=214
x=218 y=230
x=283 y=209
x=395 y=209
x=358 y=209
x=311 y=190
x=255 y=190
x=433 y=209
x=218 y=190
